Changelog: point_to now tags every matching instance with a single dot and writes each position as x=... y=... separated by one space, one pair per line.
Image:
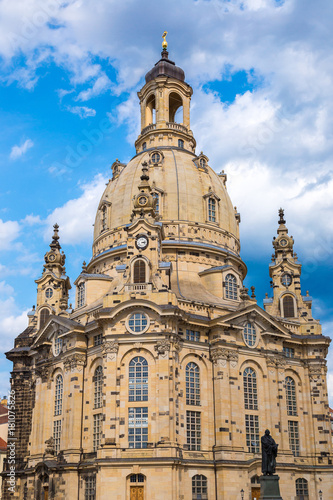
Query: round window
x=286 y=279
x=48 y=293
x=250 y=335
x=156 y=158
x=137 y=323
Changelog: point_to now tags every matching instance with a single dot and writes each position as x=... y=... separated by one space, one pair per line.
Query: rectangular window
x=98 y=339
x=57 y=435
x=137 y=427
x=97 y=432
x=90 y=489
x=193 y=430
x=81 y=295
x=252 y=433
x=193 y=335
x=212 y=210
x=289 y=352
x=293 y=437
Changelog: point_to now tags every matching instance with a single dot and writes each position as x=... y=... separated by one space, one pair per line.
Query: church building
x=161 y=380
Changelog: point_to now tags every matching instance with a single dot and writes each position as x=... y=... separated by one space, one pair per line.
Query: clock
x=286 y=279
x=283 y=242
x=51 y=257
x=143 y=201
x=141 y=242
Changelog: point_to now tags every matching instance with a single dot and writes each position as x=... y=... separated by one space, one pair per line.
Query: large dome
x=184 y=183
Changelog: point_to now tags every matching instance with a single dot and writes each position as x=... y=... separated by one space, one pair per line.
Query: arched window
x=175 y=108
x=98 y=387
x=199 y=487
x=250 y=389
x=104 y=214
x=291 y=396
x=44 y=316
x=151 y=110
x=192 y=384
x=139 y=271
x=58 y=395
x=288 y=307
x=212 y=209
x=250 y=334
x=138 y=379
x=81 y=295
x=302 y=490
x=230 y=287
x=181 y=143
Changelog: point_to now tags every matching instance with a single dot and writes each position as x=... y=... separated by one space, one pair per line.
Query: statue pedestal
x=270 y=489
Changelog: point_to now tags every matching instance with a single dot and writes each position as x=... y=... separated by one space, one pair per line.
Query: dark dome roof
x=165 y=67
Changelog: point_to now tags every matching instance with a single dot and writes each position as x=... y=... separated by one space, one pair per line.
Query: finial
x=281 y=215
x=55 y=243
x=253 y=296
x=84 y=266
x=164 y=43
x=144 y=176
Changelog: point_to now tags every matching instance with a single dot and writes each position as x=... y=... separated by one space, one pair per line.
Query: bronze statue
x=269 y=450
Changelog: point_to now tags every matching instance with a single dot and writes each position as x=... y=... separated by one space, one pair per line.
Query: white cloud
x=31 y=220
x=77 y=216
x=101 y=85
x=18 y=151
x=12 y=321
x=82 y=111
x=9 y=231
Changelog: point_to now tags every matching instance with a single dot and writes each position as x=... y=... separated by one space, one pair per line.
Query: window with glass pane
x=180 y=143
x=230 y=287
x=81 y=295
x=250 y=335
x=252 y=433
x=199 y=487
x=289 y=352
x=90 y=488
x=293 y=437
x=250 y=389
x=193 y=335
x=104 y=213
x=56 y=435
x=288 y=307
x=193 y=430
x=155 y=158
x=192 y=384
x=138 y=379
x=57 y=346
x=137 y=478
x=58 y=395
x=98 y=339
x=44 y=316
x=139 y=271
x=291 y=396
x=97 y=431
x=212 y=209
x=137 y=427
x=302 y=489
x=137 y=322
x=157 y=206
x=98 y=387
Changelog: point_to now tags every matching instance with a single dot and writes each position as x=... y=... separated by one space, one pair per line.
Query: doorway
x=136 y=493
x=255 y=493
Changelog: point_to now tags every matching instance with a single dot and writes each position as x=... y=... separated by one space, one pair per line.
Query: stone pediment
x=253 y=313
x=55 y=325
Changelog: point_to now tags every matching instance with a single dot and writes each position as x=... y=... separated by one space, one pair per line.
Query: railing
x=148 y=128
x=177 y=126
x=138 y=287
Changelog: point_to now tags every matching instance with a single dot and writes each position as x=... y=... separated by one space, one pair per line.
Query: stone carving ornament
x=162 y=347
x=220 y=356
x=75 y=362
x=110 y=349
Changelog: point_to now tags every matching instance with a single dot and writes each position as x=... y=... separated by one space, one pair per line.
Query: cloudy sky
x=262 y=110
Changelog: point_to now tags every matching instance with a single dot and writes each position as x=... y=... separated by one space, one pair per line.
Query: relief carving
x=75 y=362
x=220 y=356
x=110 y=349
x=162 y=347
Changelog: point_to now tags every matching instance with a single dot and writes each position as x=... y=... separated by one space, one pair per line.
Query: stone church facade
x=161 y=380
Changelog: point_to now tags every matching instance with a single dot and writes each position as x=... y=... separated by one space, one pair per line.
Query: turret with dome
x=159 y=382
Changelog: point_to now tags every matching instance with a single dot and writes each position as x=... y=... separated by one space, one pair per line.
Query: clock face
x=283 y=242
x=142 y=242
x=143 y=200
x=286 y=279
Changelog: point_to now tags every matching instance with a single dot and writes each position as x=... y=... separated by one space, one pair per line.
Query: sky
x=262 y=111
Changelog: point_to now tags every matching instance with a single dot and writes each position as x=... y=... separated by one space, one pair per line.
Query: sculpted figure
x=269 y=450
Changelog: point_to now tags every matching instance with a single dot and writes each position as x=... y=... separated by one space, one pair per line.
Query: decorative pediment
x=56 y=325
x=254 y=314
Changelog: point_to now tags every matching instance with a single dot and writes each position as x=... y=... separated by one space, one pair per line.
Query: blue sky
x=262 y=110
